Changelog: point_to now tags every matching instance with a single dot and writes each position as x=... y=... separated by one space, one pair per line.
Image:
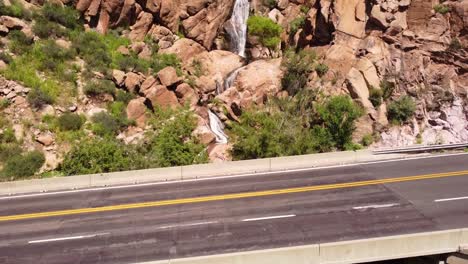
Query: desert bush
x=97 y=155
x=20 y=43
x=22 y=166
x=70 y=122
x=16 y=9
x=401 y=110
x=67 y=16
x=442 y=9
x=375 y=96
x=105 y=124
x=338 y=115
x=266 y=30
x=99 y=87
x=321 y=69
x=297 y=66
x=37 y=98
x=44 y=28
x=296 y=24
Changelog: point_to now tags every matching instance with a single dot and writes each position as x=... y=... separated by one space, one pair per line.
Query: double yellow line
x=230 y=196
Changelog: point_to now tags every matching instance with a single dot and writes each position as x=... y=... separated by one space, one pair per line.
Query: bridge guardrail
x=420 y=148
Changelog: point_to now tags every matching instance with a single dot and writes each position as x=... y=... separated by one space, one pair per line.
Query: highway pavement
x=129 y=224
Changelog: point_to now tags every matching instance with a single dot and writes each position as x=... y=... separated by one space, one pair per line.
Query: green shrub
x=4 y=103
x=442 y=9
x=161 y=61
x=97 y=156
x=367 y=140
x=44 y=28
x=123 y=96
x=70 y=122
x=8 y=136
x=99 y=87
x=455 y=45
x=37 y=98
x=50 y=56
x=20 y=43
x=338 y=115
x=9 y=150
x=266 y=30
x=64 y=15
x=387 y=89
x=22 y=166
x=294 y=126
x=401 y=110
x=296 y=24
x=174 y=144
x=297 y=66
x=105 y=124
x=375 y=96
x=321 y=69
x=16 y=9
x=5 y=57
x=99 y=51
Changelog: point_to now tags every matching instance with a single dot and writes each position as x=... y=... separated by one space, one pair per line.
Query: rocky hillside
x=104 y=85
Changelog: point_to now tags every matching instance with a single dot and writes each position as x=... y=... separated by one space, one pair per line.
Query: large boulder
x=358 y=89
x=136 y=110
x=185 y=49
x=168 y=76
x=258 y=80
x=160 y=96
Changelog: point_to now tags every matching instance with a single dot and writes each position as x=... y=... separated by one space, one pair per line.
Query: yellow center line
x=230 y=196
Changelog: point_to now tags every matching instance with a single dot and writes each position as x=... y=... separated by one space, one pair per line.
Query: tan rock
x=369 y=72
x=136 y=110
x=168 y=76
x=12 y=22
x=141 y=27
x=185 y=49
x=350 y=17
x=186 y=94
x=118 y=77
x=205 y=135
x=132 y=81
x=160 y=96
x=358 y=89
x=45 y=139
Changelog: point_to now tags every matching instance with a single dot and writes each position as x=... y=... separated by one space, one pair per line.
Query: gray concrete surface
x=191 y=172
x=346 y=252
x=219 y=227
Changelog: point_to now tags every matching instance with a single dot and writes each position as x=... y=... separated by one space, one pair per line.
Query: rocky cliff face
x=415 y=48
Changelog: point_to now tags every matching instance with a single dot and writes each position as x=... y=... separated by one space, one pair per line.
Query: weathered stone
x=45 y=139
x=168 y=76
x=136 y=110
x=162 y=97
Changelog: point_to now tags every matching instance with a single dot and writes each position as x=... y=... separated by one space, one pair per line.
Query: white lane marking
x=65 y=238
x=220 y=177
x=451 y=199
x=268 y=218
x=375 y=206
x=186 y=225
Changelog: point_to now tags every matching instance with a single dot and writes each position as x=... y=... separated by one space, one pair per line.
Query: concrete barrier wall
x=191 y=172
x=355 y=251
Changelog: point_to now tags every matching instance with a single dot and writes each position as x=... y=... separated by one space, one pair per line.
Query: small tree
x=266 y=30
x=338 y=115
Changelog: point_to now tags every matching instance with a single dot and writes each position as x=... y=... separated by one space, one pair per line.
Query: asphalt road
x=231 y=214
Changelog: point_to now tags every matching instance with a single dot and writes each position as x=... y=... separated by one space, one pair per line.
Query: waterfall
x=237 y=26
x=230 y=79
x=217 y=127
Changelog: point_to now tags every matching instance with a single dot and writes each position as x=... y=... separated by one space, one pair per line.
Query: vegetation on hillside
x=303 y=124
